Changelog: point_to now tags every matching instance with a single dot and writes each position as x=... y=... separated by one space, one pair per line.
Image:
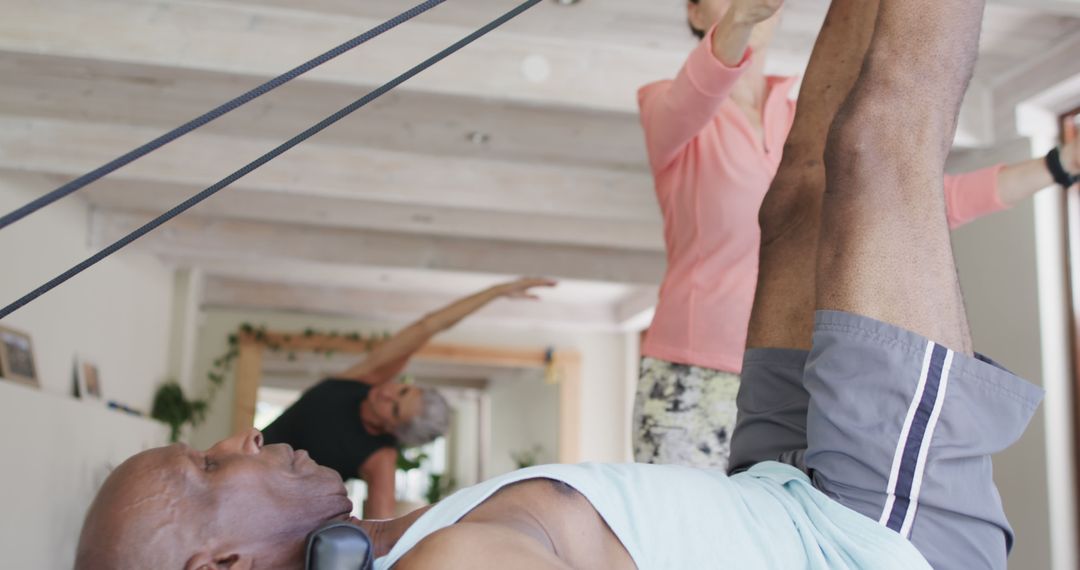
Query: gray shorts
x=893 y=426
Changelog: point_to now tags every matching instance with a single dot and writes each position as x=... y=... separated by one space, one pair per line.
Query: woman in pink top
x=715 y=135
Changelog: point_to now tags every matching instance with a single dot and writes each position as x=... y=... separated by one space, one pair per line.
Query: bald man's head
x=231 y=506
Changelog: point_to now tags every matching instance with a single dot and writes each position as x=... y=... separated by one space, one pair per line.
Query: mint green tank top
x=671 y=517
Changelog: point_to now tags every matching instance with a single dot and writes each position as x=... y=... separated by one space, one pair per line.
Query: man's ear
x=234 y=562
x=204 y=561
x=201 y=561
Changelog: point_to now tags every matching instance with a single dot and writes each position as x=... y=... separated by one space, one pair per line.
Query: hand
x=754 y=11
x=520 y=289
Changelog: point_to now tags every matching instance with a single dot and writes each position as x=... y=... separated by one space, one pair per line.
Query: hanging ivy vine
x=222 y=365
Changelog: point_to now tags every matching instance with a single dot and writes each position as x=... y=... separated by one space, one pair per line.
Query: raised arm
x=973 y=195
x=387 y=360
x=1018 y=182
x=674 y=112
x=378 y=473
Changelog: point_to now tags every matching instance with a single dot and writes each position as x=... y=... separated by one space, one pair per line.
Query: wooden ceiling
x=520 y=155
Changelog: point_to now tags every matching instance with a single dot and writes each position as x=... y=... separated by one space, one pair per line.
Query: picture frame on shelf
x=17 y=362
x=88 y=379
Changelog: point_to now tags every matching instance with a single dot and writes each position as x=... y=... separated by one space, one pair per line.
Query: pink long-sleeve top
x=711 y=174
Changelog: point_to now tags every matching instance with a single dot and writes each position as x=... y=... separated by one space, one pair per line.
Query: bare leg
x=783 y=313
x=772 y=401
x=885 y=251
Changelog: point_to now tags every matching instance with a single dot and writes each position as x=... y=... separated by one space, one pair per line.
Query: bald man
x=236 y=503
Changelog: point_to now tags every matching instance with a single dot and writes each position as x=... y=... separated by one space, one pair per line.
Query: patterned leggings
x=684 y=415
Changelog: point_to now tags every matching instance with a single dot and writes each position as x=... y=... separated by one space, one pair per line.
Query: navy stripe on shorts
x=909 y=463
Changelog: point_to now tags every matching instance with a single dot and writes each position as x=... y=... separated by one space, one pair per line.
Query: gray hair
x=432 y=421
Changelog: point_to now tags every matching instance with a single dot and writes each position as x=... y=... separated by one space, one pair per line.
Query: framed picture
x=17 y=357
x=87 y=378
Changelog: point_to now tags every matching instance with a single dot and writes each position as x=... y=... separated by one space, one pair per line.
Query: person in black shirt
x=354 y=422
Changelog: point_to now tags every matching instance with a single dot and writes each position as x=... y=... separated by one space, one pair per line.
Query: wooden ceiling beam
x=243 y=203
x=193 y=238
x=394 y=305
x=159 y=97
x=267 y=41
x=316 y=170
x=435 y=352
x=635 y=311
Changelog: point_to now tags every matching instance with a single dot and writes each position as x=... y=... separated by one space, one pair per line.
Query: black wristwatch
x=1063 y=177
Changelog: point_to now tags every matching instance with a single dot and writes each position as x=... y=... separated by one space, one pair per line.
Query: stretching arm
x=976 y=194
x=1018 y=182
x=674 y=112
x=388 y=359
x=378 y=472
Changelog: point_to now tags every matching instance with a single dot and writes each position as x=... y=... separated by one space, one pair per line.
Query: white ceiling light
x=536 y=68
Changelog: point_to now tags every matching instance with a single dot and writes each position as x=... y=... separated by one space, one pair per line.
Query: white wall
x=463 y=459
x=998 y=275
x=56 y=450
x=116 y=314
x=604 y=417
x=524 y=413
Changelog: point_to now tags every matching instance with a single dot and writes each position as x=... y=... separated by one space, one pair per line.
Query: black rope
x=251 y=166
x=227 y=107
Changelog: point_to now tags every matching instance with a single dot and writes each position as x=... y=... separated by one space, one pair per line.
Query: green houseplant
x=173 y=408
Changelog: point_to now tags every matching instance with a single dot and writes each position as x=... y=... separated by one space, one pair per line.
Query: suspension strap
x=224 y=108
x=278 y=151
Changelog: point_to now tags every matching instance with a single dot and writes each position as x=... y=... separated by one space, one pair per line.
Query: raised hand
x=754 y=11
x=520 y=289
x=735 y=30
